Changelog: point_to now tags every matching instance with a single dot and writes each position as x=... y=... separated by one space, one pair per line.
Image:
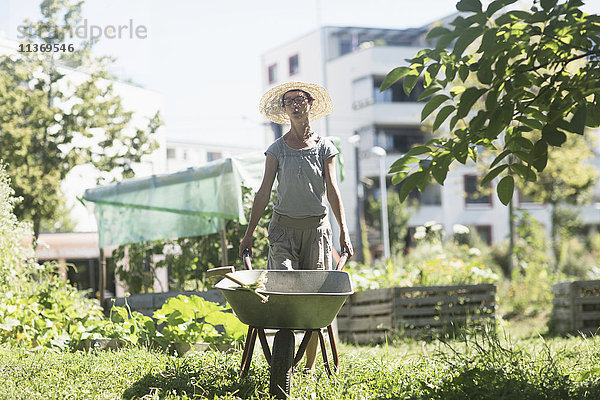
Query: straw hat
x=271 y=107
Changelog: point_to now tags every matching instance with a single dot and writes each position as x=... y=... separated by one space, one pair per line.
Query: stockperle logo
x=95 y=32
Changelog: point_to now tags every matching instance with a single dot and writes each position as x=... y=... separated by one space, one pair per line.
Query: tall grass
x=481 y=366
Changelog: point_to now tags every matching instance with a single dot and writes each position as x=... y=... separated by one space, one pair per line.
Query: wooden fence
x=370 y=315
x=576 y=307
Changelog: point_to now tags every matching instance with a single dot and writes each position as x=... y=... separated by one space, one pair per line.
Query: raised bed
x=576 y=307
x=370 y=315
x=149 y=302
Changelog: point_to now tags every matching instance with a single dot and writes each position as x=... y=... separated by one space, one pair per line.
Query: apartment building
x=351 y=62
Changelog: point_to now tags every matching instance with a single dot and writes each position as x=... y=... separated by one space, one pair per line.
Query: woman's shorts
x=299 y=243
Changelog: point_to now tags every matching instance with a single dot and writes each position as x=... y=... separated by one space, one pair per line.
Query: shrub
x=36 y=307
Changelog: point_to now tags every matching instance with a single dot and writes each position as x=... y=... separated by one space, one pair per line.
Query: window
x=171 y=153
x=396 y=94
x=294 y=65
x=272 y=73
x=365 y=91
x=398 y=139
x=346 y=45
x=362 y=93
x=474 y=193
x=211 y=156
x=484 y=232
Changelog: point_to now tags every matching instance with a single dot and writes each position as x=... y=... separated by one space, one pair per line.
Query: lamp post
x=385 y=231
x=354 y=140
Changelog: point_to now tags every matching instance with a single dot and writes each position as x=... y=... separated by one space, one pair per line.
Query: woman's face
x=296 y=104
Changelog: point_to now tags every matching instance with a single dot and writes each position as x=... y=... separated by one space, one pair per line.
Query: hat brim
x=272 y=108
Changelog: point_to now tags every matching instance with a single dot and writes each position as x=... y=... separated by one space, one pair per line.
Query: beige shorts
x=299 y=243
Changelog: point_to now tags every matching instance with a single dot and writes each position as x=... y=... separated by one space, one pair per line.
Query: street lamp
x=354 y=140
x=385 y=231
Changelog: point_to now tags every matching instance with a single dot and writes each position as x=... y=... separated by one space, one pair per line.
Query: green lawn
x=480 y=368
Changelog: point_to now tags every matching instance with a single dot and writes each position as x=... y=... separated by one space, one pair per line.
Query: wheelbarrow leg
x=334 y=353
x=324 y=352
x=264 y=344
x=248 y=350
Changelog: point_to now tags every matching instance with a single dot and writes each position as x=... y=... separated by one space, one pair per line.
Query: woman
x=304 y=164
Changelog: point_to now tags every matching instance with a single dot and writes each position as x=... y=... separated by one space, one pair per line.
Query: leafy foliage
x=533 y=75
x=192 y=319
x=45 y=311
x=54 y=119
x=398 y=216
x=431 y=262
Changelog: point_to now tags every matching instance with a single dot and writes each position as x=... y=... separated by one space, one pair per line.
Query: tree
x=567 y=179
x=535 y=74
x=51 y=122
x=398 y=214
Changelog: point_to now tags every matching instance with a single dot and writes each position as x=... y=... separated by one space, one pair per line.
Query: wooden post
x=224 y=258
x=101 y=277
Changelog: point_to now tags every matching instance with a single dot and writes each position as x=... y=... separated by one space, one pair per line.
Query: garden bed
x=371 y=315
x=576 y=307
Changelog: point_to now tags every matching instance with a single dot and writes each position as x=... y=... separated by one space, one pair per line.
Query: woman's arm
x=335 y=201
x=260 y=202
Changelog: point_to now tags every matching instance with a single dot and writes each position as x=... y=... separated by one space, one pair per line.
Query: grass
x=480 y=367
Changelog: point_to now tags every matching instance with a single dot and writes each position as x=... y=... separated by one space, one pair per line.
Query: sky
x=204 y=56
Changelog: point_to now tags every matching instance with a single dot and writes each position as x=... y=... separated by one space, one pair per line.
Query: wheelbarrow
x=305 y=300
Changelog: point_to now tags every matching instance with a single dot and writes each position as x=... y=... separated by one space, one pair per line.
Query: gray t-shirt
x=301 y=177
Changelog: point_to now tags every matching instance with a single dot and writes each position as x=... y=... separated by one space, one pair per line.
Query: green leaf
x=505 y=189
x=533 y=123
x=539 y=155
x=392 y=77
x=553 y=136
x=465 y=39
x=430 y=73
x=455 y=90
x=491 y=100
x=432 y=104
x=410 y=183
x=409 y=82
x=453 y=122
x=436 y=32
x=524 y=171
x=418 y=150
x=444 y=41
x=469 y=5
x=492 y=174
x=428 y=92
x=548 y=4
x=463 y=72
x=442 y=115
x=500 y=157
x=467 y=99
x=579 y=120
x=484 y=73
x=497 y=5
x=439 y=170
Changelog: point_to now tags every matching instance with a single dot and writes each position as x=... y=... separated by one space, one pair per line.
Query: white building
x=351 y=62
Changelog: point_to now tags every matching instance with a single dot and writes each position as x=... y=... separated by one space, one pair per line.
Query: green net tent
x=193 y=202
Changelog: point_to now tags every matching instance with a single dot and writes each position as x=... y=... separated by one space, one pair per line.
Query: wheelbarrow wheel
x=282 y=362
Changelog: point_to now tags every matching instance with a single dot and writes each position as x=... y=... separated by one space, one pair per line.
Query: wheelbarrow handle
x=220 y=271
x=246 y=258
x=342 y=263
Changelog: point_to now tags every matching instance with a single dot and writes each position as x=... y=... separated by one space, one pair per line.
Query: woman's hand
x=246 y=243
x=345 y=243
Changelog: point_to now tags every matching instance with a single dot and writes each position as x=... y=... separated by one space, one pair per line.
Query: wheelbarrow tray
x=308 y=299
